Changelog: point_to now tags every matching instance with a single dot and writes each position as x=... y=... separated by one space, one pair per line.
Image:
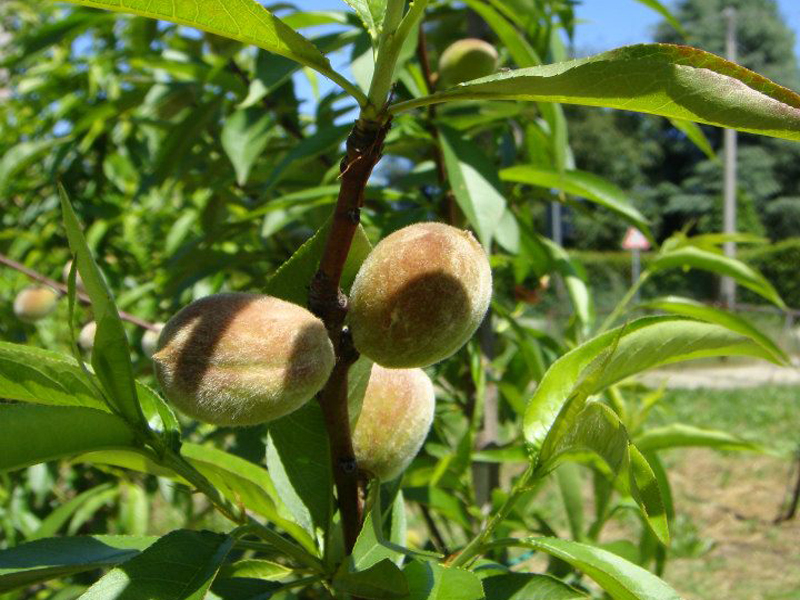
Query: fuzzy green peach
x=394 y=421
x=242 y=359
x=35 y=303
x=419 y=295
x=465 y=60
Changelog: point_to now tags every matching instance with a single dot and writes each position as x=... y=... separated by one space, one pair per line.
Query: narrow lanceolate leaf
x=695 y=135
x=244 y=136
x=290 y=281
x=59 y=517
x=665 y=12
x=298 y=459
x=31 y=434
x=625 y=351
x=35 y=375
x=679 y=435
x=527 y=586
x=716 y=262
x=49 y=558
x=243 y=20
x=111 y=355
x=697 y=310
x=582 y=184
x=431 y=581
x=661 y=79
x=648 y=494
x=179 y=566
x=475 y=184
x=621 y=579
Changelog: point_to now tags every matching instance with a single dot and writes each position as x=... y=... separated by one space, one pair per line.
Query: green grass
x=769 y=414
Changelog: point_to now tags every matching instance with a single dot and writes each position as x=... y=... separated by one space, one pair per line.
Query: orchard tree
x=293 y=348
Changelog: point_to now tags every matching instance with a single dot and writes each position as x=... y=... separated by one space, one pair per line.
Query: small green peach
x=35 y=303
x=465 y=60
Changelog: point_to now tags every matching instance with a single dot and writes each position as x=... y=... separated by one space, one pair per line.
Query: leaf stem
x=624 y=301
x=396 y=28
x=475 y=547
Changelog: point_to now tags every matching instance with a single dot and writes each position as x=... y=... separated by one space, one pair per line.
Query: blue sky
x=603 y=28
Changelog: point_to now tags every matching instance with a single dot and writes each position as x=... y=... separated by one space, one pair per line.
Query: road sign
x=635 y=240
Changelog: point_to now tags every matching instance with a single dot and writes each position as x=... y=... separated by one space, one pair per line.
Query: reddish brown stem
x=63 y=289
x=326 y=300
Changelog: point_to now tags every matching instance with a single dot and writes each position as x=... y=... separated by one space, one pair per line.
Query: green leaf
x=22 y=155
x=679 y=435
x=244 y=483
x=179 y=566
x=593 y=429
x=59 y=517
x=475 y=183
x=431 y=581
x=698 y=258
x=583 y=184
x=527 y=586
x=695 y=135
x=371 y=547
x=646 y=491
x=323 y=141
x=257 y=568
x=518 y=47
x=570 y=485
x=111 y=355
x=41 y=560
x=664 y=12
x=642 y=344
x=243 y=20
x=31 y=434
x=299 y=460
x=290 y=281
x=697 y=310
x=382 y=580
x=31 y=374
x=244 y=136
x=621 y=579
x=661 y=79
x=371 y=13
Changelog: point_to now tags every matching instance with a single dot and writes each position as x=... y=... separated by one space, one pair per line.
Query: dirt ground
x=734 y=551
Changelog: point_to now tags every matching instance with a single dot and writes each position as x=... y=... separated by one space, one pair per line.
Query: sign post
x=635 y=241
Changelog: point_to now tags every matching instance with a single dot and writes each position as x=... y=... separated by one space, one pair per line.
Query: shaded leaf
x=583 y=184
x=527 y=586
x=31 y=433
x=475 y=183
x=431 y=581
x=244 y=136
x=41 y=560
x=679 y=435
x=179 y=566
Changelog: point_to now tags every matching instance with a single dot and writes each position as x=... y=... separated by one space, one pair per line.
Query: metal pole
x=728 y=285
x=555 y=223
x=636 y=269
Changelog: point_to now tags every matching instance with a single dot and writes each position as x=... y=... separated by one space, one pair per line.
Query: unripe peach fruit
x=419 y=296
x=34 y=303
x=242 y=359
x=465 y=60
x=86 y=336
x=394 y=421
x=150 y=339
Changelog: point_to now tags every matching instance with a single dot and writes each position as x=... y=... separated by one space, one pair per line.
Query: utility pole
x=728 y=285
